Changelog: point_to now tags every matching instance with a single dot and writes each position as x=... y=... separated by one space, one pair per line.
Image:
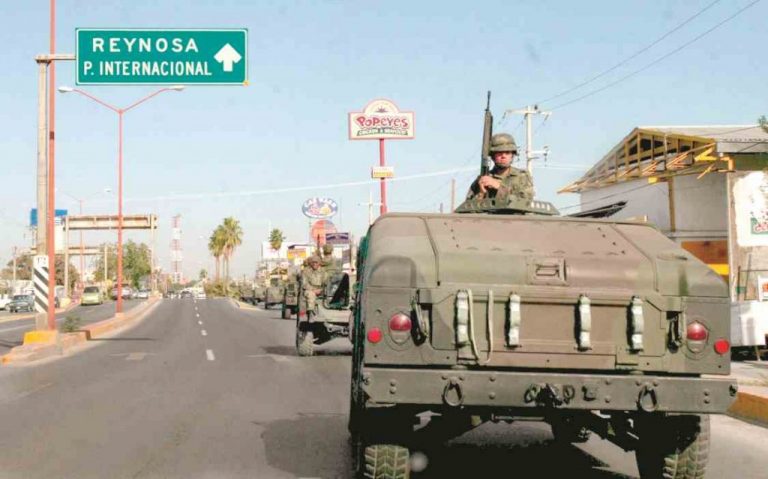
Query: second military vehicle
x=273 y=294
x=509 y=312
x=329 y=319
x=291 y=298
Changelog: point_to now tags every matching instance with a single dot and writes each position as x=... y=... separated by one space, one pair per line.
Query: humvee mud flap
x=584 y=323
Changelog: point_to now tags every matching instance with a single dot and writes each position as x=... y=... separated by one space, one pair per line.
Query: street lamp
x=120 y=112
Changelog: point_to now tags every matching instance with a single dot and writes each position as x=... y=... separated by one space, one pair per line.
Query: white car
x=4 y=300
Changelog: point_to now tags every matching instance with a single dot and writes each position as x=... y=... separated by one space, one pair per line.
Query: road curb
x=751 y=407
x=241 y=305
x=66 y=342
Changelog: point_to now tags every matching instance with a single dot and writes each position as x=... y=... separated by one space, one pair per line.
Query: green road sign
x=161 y=56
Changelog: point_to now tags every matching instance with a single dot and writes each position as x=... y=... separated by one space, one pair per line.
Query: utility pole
x=530 y=153
x=14 y=268
x=370 y=204
x=453 y=194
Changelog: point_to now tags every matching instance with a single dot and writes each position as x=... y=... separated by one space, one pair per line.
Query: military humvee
x=589 y=325
x=329 y=320
x=273 y=294
x=291 y=298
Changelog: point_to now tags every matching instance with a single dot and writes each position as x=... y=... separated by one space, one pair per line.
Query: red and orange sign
x=381 y=120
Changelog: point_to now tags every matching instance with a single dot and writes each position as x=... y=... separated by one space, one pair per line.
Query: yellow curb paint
x=41 y=337
x=750 y=406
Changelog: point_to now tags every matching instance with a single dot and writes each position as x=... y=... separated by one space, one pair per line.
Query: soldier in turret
x=504 y=179
x=329 y=263
x=313 y=280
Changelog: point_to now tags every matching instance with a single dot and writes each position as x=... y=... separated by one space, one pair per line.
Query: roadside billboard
x=381 y=120
x=319 y=208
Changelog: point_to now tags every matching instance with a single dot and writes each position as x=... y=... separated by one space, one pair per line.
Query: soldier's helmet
x=503 y=142
x=313 y=259
x=327 y=249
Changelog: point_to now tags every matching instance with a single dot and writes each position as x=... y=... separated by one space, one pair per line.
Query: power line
x=633 y=56
x=662 y=58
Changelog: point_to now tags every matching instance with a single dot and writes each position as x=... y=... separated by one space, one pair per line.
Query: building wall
x=643 y=199
x=701 y=206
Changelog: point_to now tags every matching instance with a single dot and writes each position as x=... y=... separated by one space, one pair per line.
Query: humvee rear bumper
x=505 y=389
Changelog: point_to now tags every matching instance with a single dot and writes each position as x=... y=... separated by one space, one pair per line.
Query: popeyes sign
x=381 y=120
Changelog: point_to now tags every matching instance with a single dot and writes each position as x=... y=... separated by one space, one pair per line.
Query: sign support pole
x=382 y=162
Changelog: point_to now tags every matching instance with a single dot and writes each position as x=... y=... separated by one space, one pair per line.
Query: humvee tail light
x=722 y=346
x=637 y=324
x=400 y=322
x=400 y=327
x=696 y=332
x=374 y=335
x=513 y=321
x=696 y=335
x=462 y=318
x=584 y=323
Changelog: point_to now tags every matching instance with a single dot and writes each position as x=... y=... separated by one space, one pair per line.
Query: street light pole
x=120 y=112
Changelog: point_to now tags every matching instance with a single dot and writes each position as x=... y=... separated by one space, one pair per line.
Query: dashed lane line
x=200 y=323
x=204 y=332
x=209 y=355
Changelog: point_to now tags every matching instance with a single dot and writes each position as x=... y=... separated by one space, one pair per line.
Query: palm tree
x=232 y=235
x=276 y=239
x=216 y=247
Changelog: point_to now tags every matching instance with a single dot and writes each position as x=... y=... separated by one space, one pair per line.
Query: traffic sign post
x=161 y=56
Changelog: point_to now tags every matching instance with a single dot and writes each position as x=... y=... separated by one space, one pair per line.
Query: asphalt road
x=201 y=389
x=12 y=330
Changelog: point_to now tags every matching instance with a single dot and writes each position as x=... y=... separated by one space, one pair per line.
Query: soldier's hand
x=488 y=182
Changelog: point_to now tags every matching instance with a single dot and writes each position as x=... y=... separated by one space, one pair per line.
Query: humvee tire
x=305 y=341
x=674 y=447
x=387 y=461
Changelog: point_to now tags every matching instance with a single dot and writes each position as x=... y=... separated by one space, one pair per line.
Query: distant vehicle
x=186 y=294
x=142 y=294
x=22 y=302
x=274 y=292
x=127 y=292
x=4 y=300
x=92 y=295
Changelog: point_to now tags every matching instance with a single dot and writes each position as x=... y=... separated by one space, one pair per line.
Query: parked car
x=4 y=300
x=142 y=294
x=186 y=294
x=22 y=302
x=92 y=295
x=127 y=292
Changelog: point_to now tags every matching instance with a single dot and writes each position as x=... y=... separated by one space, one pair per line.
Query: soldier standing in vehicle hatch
x=313 y=280
x=504 y=179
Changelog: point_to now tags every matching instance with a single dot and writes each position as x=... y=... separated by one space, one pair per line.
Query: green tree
x=203 y=274
x=232 y=234
x=763 y=122
x=98 y=274
x=216 y=247
x=24 y=270
x=276 y=238
x=137 y=262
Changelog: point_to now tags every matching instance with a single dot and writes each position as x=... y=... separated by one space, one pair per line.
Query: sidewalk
x=752 y=400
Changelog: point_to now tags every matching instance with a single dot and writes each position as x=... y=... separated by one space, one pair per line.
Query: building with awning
x=706 y=188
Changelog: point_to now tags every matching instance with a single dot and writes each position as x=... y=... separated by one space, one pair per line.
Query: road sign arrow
x=228 y=56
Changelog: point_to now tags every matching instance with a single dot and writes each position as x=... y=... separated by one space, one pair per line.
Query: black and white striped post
x=40 y=282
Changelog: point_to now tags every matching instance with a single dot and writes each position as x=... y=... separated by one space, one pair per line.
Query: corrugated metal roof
x=729 y=138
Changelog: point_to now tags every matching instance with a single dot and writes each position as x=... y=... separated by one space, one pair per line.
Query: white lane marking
x=135 y=356
x=200 y=323
x=209 y=355
x=204 y=332
x=197 y=314
x=274 y=357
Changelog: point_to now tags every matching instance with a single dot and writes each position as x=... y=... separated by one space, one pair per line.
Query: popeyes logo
x=381 y=120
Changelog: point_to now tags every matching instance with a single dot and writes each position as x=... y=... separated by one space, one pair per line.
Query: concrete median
x=47 y=344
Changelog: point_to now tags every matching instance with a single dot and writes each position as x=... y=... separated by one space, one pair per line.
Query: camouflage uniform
x=311 y=282
x=514 y=182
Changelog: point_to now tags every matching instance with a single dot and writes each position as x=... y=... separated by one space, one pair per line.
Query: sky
x=257 y=152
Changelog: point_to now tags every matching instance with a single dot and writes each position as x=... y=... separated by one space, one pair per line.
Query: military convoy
x=291 y=298
x=505 y=311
